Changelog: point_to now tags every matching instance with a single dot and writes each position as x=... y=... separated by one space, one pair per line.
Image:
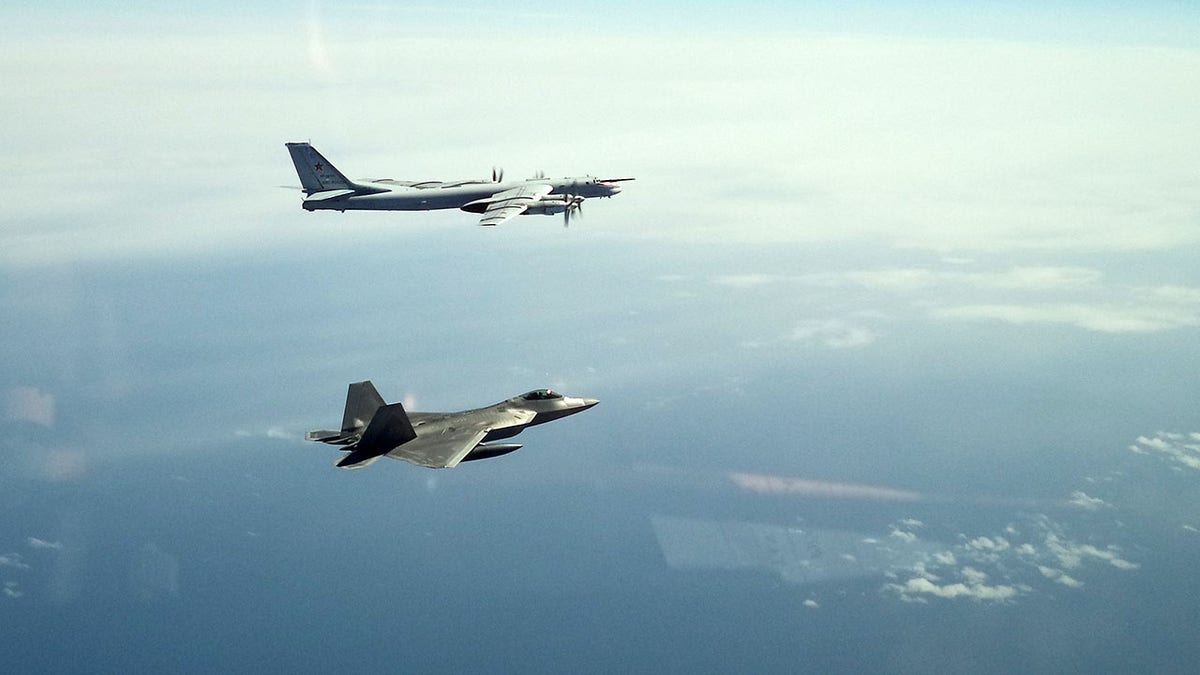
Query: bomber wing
x=510 y=203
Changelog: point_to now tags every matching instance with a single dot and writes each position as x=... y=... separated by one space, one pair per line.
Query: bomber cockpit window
x=541 y=395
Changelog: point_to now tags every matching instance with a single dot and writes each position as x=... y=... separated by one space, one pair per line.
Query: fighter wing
x=514 y=202
x=441 y=450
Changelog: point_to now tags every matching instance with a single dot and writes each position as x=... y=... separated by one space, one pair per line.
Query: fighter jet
x=372 y=429
x=326 y=188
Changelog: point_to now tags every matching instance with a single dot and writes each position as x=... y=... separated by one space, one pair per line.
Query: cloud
x=1060 y=577
x=12 y=589
x=973 y=576
x=1022 y=565
x=988 y=544
x=1081 y=500
x=1102 y=318
x=945 y=558
x=832 y=333
x=29 y=404
x=1175 y=448
x=13 y=560
x=906 y=537
x=812 y=604
x=276 y=433
x=770 y=484
x=1078 y=297
x=919 y=168
x=748 y=280
x=1071 y=555
x=915 y=589
x=65 y=465
x=34 y=542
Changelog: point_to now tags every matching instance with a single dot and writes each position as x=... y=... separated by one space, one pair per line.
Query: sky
x=894 y=336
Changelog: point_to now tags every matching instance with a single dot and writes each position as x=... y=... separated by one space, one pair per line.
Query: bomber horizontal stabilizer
x=328 y=194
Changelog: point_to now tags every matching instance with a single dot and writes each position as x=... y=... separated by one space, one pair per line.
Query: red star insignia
x=317 y=166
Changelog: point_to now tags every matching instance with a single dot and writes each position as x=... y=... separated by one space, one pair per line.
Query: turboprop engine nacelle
x=552 y=205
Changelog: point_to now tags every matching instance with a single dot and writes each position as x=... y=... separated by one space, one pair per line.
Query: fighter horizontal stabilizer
x=330 y=436
x=358 y=459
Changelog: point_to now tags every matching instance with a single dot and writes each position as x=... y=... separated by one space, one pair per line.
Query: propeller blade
x=574 y=208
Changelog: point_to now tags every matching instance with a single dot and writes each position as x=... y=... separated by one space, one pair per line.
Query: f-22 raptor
x=326 y=188
x=372 y=429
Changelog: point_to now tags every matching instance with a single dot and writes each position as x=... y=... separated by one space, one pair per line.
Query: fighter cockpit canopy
x=541 y=395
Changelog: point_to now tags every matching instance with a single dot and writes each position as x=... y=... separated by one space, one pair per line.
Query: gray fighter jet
x=372 y=429
x=498 y=200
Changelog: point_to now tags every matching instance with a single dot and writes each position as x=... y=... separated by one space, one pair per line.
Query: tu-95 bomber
x=498 y=200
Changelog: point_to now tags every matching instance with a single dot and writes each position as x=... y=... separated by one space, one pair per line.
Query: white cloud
x=833 y=333
x=989 y=544
x=907 y=146
x=1060 y=577
x=810 y=603
x=1038 y=279
x=1081 y=500
x=893 y=279
x=1102 y=318
x=13 y=560
x=1170 y=447
x=973 y=576
x=914 y=589
x=29 y=404
x=1078 y=297
x=1017 y=562
x=906 y=537
x=945 y=558
x=1157 y=443
x=748 y=280
x=34 y=542
x=1071 y=555
x=275 y=433
x=12 y=589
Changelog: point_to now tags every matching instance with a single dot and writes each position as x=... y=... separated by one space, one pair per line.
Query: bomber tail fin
x=389 y=428
x=316 y=173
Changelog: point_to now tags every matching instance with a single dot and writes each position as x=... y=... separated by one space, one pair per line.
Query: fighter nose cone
x=589 y=402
